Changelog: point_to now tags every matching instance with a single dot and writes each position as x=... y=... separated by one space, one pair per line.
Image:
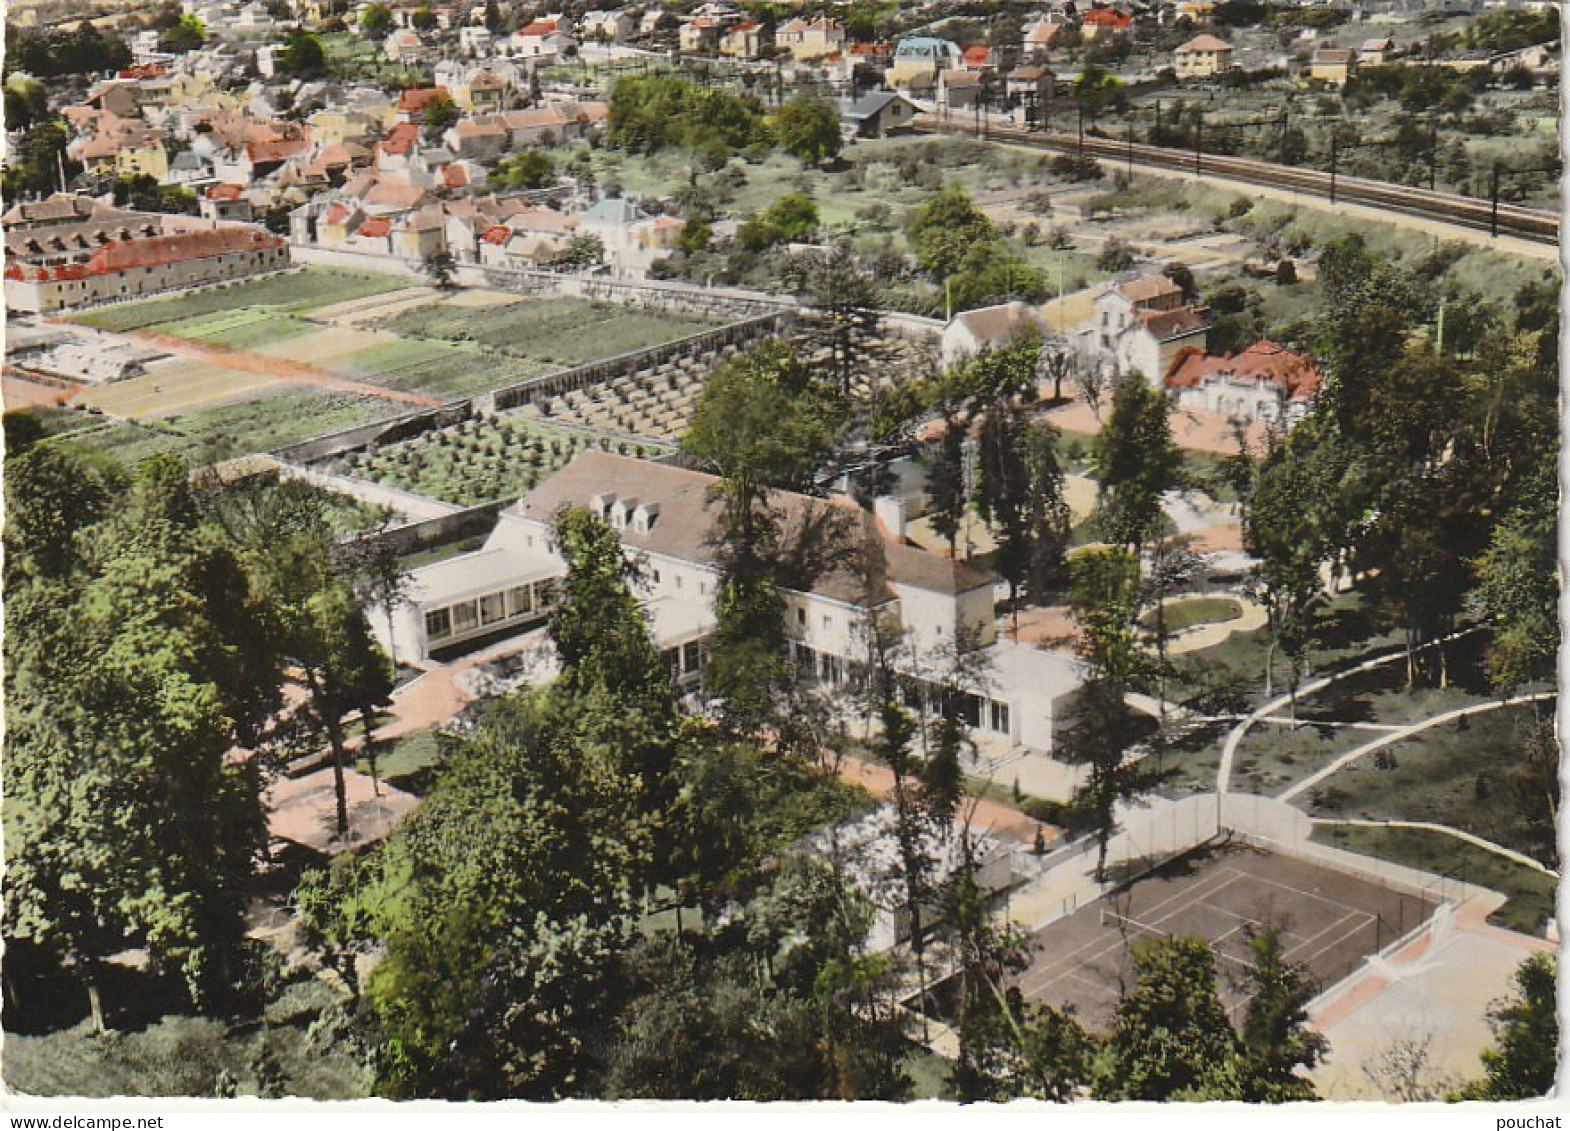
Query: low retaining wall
x=385 y=431
x=355 y=261
x=412 y=537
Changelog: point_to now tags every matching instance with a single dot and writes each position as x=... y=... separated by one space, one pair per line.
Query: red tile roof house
x=1265 y=382
x=141 y=265
x=413 y=100
x=1101 y=23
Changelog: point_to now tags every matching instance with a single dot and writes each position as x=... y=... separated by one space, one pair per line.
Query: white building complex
x=665 y=516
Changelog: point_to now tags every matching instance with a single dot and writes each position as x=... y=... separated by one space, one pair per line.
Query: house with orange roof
x=77 y=256
x=1039 y=36
x=1103 y=23
x=225 y=202
x=413 y=100
x=404 y=46
x=1265 y=382
x=699 y=36
x=540 y=40
x=977 y=57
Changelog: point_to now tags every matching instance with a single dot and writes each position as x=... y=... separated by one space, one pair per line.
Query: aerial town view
x=954 y=550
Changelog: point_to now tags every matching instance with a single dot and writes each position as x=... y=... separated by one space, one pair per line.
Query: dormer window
x=601 y=505
x=644 y=517
x=622 y=511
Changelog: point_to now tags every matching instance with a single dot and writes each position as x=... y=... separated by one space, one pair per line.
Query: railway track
x=1498 y=218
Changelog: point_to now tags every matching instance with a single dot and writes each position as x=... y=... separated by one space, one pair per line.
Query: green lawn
x=1195 y=611
x=447 y=369
x=1530 y=894
x=409 y=763
x=1470 y=777
x=246 y=328
x=297 y=292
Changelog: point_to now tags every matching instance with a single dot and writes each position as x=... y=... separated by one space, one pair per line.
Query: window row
x=464 y=617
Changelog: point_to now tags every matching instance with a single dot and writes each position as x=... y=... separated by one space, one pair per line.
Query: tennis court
x=1328 y=921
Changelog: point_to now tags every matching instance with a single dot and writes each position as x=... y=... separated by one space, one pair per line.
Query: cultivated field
x=476 y=461
x=266 y=342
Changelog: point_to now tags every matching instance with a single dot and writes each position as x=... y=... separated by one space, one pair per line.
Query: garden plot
x=450 y=369
x=559 y=332
x=295 y=292
x=477 y=461
x=175 y=386
x=282 y=415
x=251 y=328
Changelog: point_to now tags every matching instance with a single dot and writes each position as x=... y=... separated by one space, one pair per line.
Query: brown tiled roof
x=393 y=194
x=997 y=324
x=157 y=250
x=688 y=508
x=1263 y=362
x=1204 y=44
x=1148 y=287
x=1169 y=325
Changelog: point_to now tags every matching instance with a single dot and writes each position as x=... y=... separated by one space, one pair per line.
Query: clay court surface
x=1329 y=922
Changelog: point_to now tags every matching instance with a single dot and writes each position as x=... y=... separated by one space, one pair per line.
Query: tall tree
x=842 y=293
x=1170 y=1036
x=1003 y=494
x=1008 y=1048
x=808 y=129
x=1136 y=461
x=1276 y=1040
x=137 y=658
x=949 y=500
x=758 y=423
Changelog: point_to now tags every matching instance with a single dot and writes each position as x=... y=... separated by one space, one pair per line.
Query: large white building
x=665 y=516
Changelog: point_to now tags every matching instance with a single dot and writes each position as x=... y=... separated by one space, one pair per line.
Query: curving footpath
x=1238 y=733
x=1404 y=733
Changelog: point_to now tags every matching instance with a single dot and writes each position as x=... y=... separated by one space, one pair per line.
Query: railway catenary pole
x=1335 y=146
x=1080 y=107
x=1493 y=211
x=1199 y=145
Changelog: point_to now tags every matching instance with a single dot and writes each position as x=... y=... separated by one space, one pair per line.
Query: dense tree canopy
x=138 y=654
x=653 y=112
